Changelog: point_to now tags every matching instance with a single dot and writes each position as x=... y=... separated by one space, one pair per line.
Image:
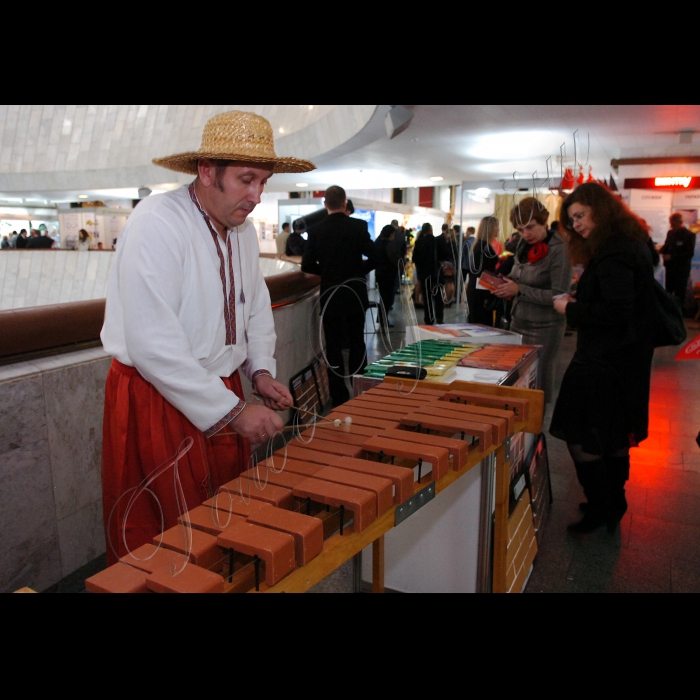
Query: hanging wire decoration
x=181 y=504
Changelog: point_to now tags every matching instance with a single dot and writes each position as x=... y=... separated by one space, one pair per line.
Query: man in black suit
x=22 y=240
x=334 y=250
x=677 y=252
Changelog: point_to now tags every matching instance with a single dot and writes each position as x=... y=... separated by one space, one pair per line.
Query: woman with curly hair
x=541 y=271
x=603 y=405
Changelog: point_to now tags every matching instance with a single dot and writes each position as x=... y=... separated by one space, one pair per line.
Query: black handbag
x=669 y=326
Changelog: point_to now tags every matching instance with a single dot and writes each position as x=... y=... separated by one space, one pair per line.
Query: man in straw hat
x=187 y=307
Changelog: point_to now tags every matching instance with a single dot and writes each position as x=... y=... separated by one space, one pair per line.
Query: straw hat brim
x=187 y=162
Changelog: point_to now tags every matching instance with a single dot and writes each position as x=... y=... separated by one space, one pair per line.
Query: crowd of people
x=36 y=238
x=530 y=286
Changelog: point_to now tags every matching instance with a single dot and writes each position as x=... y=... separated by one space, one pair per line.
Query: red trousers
x=142 y=432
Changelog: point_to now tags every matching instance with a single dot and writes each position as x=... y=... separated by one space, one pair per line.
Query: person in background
x=603 y=405
x=84 y=240
x=541 y=271
x=281 y=240
x=467 y=243
x=335 y=251
x=100 y=246
x=22 y=239
x=5 y=242
x=386 y=273
x=295 y=241
x=425 y=258
x=483 y=258
x=677 y=253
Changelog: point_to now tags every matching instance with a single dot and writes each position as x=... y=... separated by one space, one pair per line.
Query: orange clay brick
x=481 y=431
x=201 y=547
x=192 y=579
x=150 y=558
x=498 y=425
x=209 y=520
x=275 y=548
x=277 y=496
x=363 y=504
x=382 y=488
x=439 y=457
x=521 y=407
x=458 y=449
x=306 y=531
x=401 y=477
x=118 y=578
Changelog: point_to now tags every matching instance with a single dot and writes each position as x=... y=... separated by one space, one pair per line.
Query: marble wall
x=51 y=449
x=50 y=452
x=39 y=277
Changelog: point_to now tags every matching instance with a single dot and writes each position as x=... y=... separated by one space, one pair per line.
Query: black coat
x=614 y=298
x=603 y=403
x=334 y=250
x=387 y=259
x=425 y=257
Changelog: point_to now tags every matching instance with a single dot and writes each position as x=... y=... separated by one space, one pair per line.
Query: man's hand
x=257 y=423
x=274 y=395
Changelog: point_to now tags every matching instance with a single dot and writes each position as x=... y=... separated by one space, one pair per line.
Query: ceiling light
x=302 y=184
x=311 y=106
x=281 y=130
x=437 y=178
x=482 y=192
x=517 y=144
x=82 y=196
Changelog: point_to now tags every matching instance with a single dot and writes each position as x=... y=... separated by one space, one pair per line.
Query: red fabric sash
x=141 y=432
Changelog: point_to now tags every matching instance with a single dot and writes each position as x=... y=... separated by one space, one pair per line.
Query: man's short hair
x=445 y=227
x=455 y=228
x=285 y=226
x=676 y=216
x=470 y=230
x=394 y=222
x=299 y=225
x=335 y=197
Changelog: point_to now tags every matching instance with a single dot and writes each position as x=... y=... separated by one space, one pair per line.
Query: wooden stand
x=339 y=549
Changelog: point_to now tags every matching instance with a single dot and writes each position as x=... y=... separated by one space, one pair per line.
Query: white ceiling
x=484 y=145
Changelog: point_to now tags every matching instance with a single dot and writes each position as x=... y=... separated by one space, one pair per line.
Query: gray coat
x=539 y=282
x=533 y=314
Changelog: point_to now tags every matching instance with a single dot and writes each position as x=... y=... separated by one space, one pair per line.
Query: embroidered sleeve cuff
x=225 y=420
x=258 y=373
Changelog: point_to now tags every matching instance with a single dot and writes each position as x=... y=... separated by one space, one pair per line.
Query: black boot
x=593 y=478
x=618 y=474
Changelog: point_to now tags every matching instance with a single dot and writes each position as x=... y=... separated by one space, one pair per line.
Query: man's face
x=231 y=198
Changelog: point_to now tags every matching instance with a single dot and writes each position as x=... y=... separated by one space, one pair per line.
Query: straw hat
x=239 y=136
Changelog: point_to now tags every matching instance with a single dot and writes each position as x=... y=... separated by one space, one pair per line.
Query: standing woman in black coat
x=482 y=258
x=425 y=258
x=603 y=405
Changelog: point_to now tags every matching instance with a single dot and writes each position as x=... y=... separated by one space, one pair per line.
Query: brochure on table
x=462 y=333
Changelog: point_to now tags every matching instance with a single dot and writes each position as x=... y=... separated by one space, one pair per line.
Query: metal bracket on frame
x=506 y=444
x=416 y=502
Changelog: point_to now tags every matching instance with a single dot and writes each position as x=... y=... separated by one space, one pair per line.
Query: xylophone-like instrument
x=336 y=487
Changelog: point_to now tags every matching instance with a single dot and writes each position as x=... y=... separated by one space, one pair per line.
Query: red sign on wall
x=676 y=182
